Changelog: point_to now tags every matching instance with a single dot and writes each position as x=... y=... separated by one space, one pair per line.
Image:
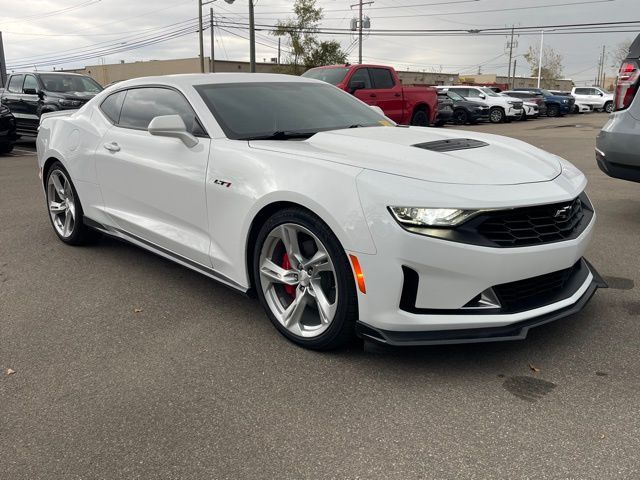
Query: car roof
x=191 y=79
x=50 y=73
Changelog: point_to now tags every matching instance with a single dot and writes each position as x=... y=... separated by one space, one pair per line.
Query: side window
x=15 y=83
x=30 y=83
x=362 y=74
x=112 y=105
x=381 y=77
x=582 y=91
x=464 y=92
x=473 y=93
x=141 y=105
x=594 y=91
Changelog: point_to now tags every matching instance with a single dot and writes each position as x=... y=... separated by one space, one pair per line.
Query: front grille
x=517 y=104
x=541 y=289
x=534 y=225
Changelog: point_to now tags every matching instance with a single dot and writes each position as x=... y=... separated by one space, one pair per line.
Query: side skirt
x=163 y=252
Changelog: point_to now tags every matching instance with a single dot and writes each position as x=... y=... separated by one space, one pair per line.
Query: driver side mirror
x=356 y=85
x=601 y=94
x=172 y=126
x=482 y=95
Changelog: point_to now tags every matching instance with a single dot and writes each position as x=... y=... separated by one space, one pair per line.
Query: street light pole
x=212 y=67
x=200 y=36
x=252 y=40
x=540 y=56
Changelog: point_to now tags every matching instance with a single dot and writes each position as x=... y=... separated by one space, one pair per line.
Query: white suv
x=595 y=97
x=502 y=109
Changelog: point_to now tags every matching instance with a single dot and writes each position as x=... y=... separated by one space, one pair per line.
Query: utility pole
x=3 y=65
x=360 y=4
x=510 y=54
x=212 y=66
x=200 y=36
x=513 y=83
x=278 y=50
x=252 y=40
x=603 y=67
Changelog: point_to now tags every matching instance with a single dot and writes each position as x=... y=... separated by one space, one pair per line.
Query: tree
x=306 y=51
x=619 y=53
x=551 y=64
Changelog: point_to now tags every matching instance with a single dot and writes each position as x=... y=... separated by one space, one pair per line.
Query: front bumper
x=514 y=112
x=515 y=331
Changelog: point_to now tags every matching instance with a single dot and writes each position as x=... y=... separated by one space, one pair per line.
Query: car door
x=12 y=98
x=596 y=98
x=387 y=94
x=364 y=94
x=31 y=102
x=153 y=186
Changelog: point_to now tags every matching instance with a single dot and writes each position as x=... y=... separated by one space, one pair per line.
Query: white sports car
x=338 y=220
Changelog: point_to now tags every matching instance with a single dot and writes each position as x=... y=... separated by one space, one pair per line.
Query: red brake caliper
x=286 y=264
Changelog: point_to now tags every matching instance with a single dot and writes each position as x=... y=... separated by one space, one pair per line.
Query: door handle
x=397 y=94
x=372 y=95
x=112 y=147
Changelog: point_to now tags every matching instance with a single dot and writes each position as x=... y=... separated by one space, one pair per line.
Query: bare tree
x=551 y=64
x=619 y=53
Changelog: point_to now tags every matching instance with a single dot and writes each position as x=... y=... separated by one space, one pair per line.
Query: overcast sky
x=34 y=30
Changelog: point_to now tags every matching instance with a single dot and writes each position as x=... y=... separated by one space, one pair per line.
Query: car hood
x=393 y=150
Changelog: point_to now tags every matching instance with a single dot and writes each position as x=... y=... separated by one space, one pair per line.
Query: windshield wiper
x=280 y=135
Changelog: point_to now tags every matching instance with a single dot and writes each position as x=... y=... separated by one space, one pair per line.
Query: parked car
x=595 y=97
x=379 y=85
x=581 y=108
x=8 y=134
x=465 y=111
x=445 y=110
x=29 y=95
x=501 y=108
x=557 y=105
x=617 y=151
x=339 y=220
x=529 y=110
x=529 y=96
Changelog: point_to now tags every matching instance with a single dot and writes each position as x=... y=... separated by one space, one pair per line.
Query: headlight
x=69 y=103
x=430 y=217
x=511 y=103
x=566 y=100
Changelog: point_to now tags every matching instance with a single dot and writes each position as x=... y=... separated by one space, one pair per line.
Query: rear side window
x=583 y=91
x=15 y=84
x=362 y=74
x=141 y=105
x=381 y=77
x=112 y=105
x=460 y=91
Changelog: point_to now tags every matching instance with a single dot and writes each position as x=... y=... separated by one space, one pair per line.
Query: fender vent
x=451 y=145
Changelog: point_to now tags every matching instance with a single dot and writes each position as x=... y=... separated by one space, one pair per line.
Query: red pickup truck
x=380 y=85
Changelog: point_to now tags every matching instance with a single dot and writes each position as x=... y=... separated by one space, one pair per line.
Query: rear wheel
x=460 y=117
x=496 y=115
x=304 y=280
x=6 y=148
x=608 y=107
x=420 y=118
x=65 y=210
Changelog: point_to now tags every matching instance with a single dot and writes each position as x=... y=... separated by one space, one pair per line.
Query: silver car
x=617 y=150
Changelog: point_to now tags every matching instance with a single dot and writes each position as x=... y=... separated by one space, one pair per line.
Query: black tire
x=553 y=111
x=420 y=118
x=80 y=234
x=523 y=117
x=460 y=116
x=496 y=115
x=6 y=148
x=608 y=107
x=341 y=330
x=575 y=109
x=439 y=123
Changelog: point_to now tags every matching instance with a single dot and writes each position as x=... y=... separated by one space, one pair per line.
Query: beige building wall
x=427 y=78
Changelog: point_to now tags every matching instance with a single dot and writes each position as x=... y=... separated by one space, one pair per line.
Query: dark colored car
x=8 y=134
x=445 y=110
x=29 y=95
x=617 y=151
x=557 y=105
x=465 y=111
x=529 y=96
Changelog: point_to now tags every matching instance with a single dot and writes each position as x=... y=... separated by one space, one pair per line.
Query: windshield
x=248 y=111
x=489 y=92
x=330 y=75
x=69 y=83
x=454 y=96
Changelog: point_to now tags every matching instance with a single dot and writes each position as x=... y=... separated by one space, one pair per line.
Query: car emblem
x=563 y=213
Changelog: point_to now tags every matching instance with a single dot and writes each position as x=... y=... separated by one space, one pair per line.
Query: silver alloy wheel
x=496 y=115
x=61 y=202
x=298 y=280
x=608 y=107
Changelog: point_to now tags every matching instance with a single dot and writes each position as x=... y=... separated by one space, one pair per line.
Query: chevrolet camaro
x=339 y=221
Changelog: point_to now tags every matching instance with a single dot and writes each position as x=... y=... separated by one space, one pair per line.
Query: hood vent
x=451 y=145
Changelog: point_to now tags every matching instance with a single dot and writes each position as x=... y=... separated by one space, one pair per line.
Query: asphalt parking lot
x=128 y=366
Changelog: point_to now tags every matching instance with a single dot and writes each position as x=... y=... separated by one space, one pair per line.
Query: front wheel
x=304 y=280
x=420 y=119
x=553 y=111
x=460 y=117
x=608 y=107
x=65 y=210
x=496 y=115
